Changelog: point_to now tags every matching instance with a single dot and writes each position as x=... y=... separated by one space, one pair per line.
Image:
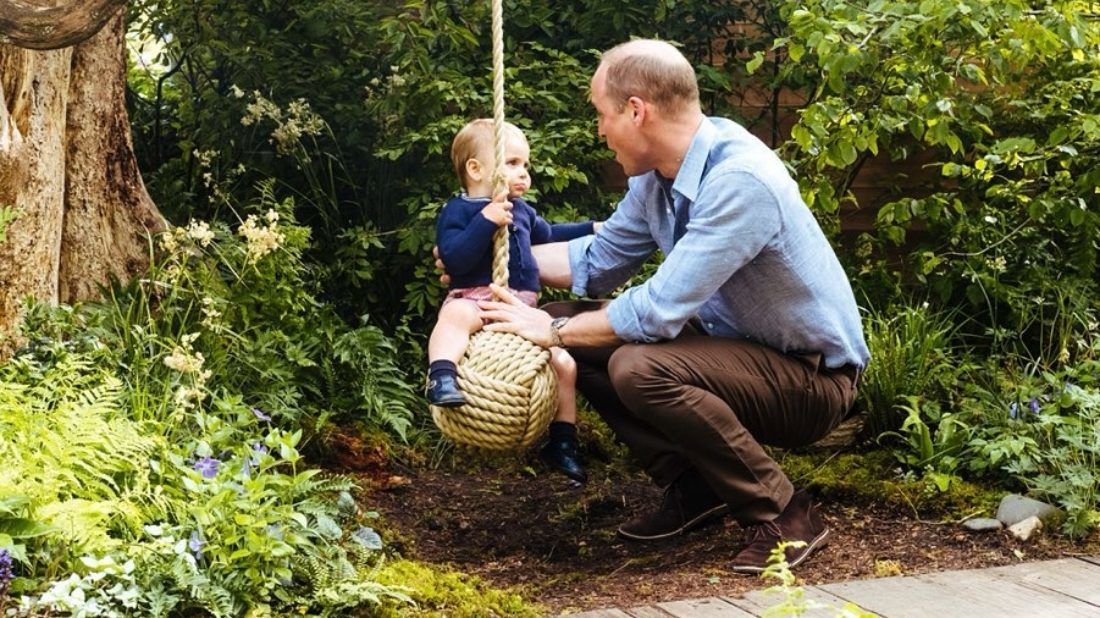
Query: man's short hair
x=653 y=70
x=475 y=141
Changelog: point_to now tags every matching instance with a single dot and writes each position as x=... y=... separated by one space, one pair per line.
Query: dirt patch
x=558 y=542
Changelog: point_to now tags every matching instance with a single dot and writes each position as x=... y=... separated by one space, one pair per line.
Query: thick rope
x=500 y=237
x=510 y=388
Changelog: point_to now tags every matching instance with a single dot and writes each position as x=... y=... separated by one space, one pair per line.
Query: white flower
x=990 y=219
x=187 y=396
x=183 y=361
x=200 y=232
x=260 y=239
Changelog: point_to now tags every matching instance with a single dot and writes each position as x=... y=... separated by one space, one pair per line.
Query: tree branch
x=40 y=24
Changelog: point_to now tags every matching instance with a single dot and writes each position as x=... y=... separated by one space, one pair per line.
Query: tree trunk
x=67 y=167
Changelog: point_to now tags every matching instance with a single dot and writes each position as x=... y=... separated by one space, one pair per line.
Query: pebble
x=982 y=524
x=1024 y=529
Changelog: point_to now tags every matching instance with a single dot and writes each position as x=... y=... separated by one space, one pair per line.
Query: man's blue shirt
x=465 y=241
x=743 y=253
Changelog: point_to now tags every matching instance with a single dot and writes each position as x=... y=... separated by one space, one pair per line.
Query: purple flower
x=259 y=414
x=1013 y=410
x=1033 y=405
x=6 y=574
x=207 y=467
x=257 y=450
x=195 y=544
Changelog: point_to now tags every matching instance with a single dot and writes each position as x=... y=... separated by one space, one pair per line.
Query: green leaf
x=23 y=528
x=755 y=62
x=240 y=553
x=9 y=505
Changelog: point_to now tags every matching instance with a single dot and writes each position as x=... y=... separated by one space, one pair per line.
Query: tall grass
x=912 y=355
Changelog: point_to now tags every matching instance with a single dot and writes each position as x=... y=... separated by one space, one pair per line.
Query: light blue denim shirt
x=743 y=253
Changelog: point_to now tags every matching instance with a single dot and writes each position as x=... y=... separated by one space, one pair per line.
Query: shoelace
x=760 y=532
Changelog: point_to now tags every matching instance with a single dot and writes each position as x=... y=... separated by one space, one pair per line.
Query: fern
x=81 y=466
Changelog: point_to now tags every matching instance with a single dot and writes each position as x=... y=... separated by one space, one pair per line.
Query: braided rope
x=500 y=237
x=510 y=387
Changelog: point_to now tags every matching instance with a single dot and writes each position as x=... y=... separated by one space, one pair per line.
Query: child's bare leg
x=560 y=451
x=566 y=370
x=458 y=320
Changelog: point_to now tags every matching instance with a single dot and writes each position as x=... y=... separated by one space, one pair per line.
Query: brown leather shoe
x=798 y=522
x=688 y=504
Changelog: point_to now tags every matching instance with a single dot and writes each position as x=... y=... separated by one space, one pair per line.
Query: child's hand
x=499 y=210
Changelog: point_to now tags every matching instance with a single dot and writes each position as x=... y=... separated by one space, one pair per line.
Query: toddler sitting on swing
x=464 y=235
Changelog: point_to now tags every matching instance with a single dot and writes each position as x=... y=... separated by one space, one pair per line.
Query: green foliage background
x=323 y=127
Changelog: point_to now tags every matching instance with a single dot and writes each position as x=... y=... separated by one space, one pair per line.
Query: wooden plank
x=824 y=604
x=647 y=612
x=957 y=593
x=602 y=613
x=1069 y=576
x=1090 y=559
x=711 y=607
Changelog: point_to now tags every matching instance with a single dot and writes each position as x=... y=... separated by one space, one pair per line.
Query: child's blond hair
x=475 y=141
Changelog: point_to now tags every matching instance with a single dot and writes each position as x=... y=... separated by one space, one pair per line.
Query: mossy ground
x=440 y=592
x=873 y=477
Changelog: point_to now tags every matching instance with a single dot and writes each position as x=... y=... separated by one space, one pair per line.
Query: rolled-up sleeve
x=603 y=262
x=733 y=218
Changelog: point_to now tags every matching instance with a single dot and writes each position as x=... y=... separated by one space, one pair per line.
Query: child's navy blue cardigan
x=465 y=240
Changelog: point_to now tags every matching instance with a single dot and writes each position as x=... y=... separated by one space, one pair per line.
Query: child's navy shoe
x=561 y=455
x=443 y=391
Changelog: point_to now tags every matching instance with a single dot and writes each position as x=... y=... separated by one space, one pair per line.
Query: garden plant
x=173 y=443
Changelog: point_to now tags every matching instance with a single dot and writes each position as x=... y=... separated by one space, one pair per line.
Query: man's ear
x=474 y=170
x=637 y=108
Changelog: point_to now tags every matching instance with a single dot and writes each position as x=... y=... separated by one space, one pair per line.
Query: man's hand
x=510 y=315
x=499 y=210
x=444 y=278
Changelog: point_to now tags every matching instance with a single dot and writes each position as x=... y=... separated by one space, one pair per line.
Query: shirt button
x=710 y=325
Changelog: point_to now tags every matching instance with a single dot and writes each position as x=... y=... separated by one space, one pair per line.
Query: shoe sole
x=819 y=541
x=449 y=403
x=699 y=520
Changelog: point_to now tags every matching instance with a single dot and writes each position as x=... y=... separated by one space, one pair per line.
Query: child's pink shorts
x=482 y=292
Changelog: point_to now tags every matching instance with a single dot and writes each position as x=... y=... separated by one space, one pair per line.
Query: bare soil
x=557 y=543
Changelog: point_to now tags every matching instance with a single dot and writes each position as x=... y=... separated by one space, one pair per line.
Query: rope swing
x=510 y=387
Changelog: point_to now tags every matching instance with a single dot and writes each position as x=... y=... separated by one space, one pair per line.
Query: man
x=747 y=334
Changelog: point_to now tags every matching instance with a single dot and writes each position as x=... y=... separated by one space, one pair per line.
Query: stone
x=982 y=524
x=1024 y=529
x=1015 y=508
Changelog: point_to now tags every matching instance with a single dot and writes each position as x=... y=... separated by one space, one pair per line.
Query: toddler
x=464 y=235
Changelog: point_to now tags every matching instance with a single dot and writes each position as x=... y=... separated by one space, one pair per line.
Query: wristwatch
x=555 y=331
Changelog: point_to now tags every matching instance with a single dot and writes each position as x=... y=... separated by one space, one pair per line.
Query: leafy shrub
x=911 y=357
x=1001 y=98
x=106 y=515
x=246 y=304
x=150 y=474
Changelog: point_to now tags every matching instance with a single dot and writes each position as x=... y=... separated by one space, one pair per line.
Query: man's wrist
x=556 y=325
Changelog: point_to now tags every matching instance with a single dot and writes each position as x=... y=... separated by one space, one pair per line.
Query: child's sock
x=442 y=367
x=562 y=431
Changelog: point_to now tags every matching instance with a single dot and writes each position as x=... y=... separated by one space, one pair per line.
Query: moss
x=449 y=593
x=871 y=477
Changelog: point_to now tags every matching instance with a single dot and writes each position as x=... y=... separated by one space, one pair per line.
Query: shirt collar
x=691 y=170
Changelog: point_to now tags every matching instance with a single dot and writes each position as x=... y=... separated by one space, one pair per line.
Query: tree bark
x=68 y=169
x=50 y=24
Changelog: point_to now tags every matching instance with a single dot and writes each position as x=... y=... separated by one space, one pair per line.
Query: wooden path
x=1054 y=588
